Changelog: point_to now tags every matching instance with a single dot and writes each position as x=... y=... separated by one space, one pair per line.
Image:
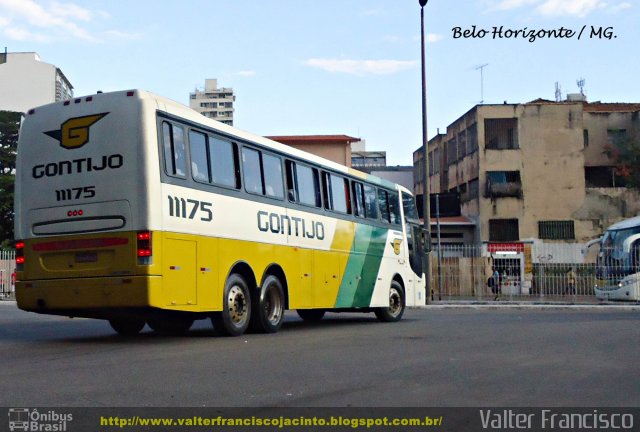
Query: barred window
x=556 y=230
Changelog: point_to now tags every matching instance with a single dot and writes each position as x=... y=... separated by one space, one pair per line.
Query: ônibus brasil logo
x=25 y=419
x=74 y=133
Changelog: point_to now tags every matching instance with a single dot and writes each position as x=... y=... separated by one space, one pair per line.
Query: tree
x=9 y=128
x=625 y=152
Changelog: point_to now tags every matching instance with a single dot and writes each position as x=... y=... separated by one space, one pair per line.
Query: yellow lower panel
x=88 y=293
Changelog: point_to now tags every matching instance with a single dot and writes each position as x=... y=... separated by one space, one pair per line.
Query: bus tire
x=311 y=315
x=395 y=310
x=236 y=308
x=127 y=326
x=268 y=307
x=169 y=325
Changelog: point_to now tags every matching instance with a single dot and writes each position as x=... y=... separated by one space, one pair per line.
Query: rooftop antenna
x=558 y=92
x=481 y=67
x=581 y=83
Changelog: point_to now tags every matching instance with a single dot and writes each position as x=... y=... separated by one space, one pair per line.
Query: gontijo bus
x=138 y=210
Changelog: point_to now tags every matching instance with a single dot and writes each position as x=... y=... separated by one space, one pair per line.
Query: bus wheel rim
x=395 y=302
x=273 y=305
x=237 y=304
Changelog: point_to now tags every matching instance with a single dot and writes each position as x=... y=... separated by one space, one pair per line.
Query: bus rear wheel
x=127 y=326
x=236 y=308
x=268 y=307
x=396 y=307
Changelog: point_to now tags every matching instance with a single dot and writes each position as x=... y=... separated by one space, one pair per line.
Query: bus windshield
x=617 y=260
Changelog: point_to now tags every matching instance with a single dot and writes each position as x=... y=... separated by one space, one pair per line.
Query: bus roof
x=625 y=224
x=194 y=116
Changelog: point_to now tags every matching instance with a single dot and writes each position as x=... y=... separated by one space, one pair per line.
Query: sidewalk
x=566 y=302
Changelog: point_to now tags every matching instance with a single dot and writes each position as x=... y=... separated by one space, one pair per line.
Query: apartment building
x=537 y=171
x=214 y=102
x=26 y=82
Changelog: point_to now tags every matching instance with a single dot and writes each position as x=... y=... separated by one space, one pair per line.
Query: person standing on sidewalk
x=494 y=283
x=571 y=281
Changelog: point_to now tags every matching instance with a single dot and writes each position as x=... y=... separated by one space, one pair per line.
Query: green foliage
x=625 y=153
x=9 y=128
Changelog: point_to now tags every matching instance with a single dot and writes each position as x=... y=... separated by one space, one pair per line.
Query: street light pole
x=425 y=149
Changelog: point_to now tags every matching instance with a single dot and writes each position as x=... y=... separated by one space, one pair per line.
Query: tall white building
x=214 y=102
x=27 y=82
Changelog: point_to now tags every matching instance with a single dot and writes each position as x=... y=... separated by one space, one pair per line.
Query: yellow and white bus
x=136 y=209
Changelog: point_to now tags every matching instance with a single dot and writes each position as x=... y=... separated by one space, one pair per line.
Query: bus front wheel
x=236 y=308
x=395 y=310
x=268 y=306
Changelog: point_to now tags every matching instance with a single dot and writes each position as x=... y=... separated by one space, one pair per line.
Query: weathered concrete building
x=535 y=171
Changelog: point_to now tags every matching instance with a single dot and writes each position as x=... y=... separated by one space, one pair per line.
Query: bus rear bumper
x=58 y=296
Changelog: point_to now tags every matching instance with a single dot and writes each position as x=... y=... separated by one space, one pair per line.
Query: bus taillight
x=19 y=255
x=145 y=252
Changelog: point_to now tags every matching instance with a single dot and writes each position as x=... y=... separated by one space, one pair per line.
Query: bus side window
x=358 y=199
x=251 y=170
x=199 y=159
x=272 y=170
x=383 y=205
x=409 y=207
x=303 y=184
x=336 y=193
x=394 y=208
x=308 y=185
x=370 y=202
x=224 y=163
x=175 y=162
x=291 y=181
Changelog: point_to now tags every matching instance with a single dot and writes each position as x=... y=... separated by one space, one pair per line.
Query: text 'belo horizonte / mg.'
x=531 y=35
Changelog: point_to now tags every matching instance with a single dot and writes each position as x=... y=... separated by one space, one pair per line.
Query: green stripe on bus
x=362 y=267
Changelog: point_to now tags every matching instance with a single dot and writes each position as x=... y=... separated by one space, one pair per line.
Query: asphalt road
x=433 y=357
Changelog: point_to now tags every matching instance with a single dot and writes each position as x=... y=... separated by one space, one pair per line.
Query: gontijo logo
x=396 y=245
x=74 y=133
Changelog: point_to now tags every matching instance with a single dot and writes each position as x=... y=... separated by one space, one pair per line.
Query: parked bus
x=619 y=262
x=138 y=210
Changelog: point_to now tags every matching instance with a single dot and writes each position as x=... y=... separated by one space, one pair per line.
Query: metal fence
x=528 y=272
x=7 y=274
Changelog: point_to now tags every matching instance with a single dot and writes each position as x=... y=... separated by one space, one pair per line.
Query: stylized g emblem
x=74 y=133
x=396 y=246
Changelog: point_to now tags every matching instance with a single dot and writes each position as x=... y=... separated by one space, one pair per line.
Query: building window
x=616 y=136
x=462 y=144
x=501 y=134
x=603 y=177
x=503 y=184
x=474 y=189
x=452 y=151
x=503 y=230
x=472 y=139
x=556 y=230
x=585 y=137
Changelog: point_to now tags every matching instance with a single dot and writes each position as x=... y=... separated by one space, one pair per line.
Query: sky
x=302 y=67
